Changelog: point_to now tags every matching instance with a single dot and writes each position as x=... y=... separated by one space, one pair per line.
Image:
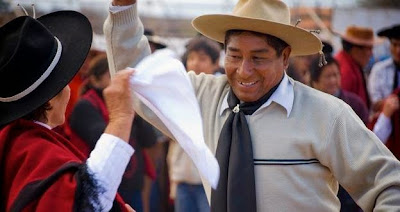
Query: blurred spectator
x=384 y=88
x=299 y=68
x=385 y=75
x=202 y=55
x=98 y=47
x=327 y=79
x=357 y=45
x=89 y=119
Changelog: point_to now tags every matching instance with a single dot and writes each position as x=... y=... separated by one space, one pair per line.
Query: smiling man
x=281 y=145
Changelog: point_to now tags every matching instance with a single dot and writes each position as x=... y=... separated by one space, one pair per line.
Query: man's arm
x=126 y=43
x=361 y=163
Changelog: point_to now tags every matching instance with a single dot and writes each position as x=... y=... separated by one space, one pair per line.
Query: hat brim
x=393 y=32
x=215 y=26
x=157 y=41
x=74 y=31
x=355 y=41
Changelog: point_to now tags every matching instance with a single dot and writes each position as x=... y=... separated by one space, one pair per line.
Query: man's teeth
x=247 y=83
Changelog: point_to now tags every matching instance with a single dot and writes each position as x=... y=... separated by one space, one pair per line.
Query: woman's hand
x=119 y=102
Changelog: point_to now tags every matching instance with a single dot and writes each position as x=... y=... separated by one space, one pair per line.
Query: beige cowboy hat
x=362 y=36
x=264 y=16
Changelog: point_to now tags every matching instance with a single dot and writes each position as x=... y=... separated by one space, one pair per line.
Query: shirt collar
x=43 y=124
x=284 y=96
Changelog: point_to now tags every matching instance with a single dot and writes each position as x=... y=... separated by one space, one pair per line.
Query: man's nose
x=246 y=68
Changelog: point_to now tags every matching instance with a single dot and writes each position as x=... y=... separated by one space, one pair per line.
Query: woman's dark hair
x=201 y=43
x=316 y=70
x=276 y=43
x=97 y=68
x=39 y=113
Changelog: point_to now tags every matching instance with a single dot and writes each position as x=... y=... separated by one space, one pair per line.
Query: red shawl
x=39 y=170
x=393 y=142
x=352 y=79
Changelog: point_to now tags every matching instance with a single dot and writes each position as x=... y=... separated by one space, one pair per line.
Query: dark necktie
x=236 y=187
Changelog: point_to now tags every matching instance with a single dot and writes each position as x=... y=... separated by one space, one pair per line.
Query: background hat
x=362 y=36
x=391 y=32
x=29 y=51
x=157 y=40
x=264 y=16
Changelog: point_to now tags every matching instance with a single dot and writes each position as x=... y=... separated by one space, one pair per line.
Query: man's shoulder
x=311 y=99
x=208 y=81
x=382 y=65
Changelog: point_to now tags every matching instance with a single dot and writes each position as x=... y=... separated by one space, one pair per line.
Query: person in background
x=89 y=119
x=281 y=145
x=201 y=56
x=327 y=79
x=357 y=43
x=299 y=69
x=384 y=85
x=80 y=79
x=39 y=169
x=155 y=42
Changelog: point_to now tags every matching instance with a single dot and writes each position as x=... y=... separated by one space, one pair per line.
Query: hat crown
x=391 y=32
x=27 y=49
x=360 y=32
x=363 y=36
x=269 y=10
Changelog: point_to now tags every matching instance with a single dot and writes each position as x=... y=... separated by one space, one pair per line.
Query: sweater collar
x=284 y=96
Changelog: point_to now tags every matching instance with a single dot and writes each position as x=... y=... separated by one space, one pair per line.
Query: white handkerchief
x=162 y=84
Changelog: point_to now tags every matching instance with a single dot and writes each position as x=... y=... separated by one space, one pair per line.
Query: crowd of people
x=295 y=124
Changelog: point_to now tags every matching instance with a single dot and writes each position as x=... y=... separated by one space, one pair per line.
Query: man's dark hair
x=347 y=45
x=276 y=43
x=201 y=43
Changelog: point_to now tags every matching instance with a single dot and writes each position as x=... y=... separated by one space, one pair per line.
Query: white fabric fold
x=162 y=84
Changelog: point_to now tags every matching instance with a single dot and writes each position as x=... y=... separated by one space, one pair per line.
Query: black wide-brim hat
x=391 y=32
x=20 y=68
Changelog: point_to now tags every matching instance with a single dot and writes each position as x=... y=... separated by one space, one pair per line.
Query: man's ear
x=286 y=54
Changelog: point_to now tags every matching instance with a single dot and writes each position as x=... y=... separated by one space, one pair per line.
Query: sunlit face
x=362 y=54
x=252 y=66
x=329 y=80
x=56 y=115
x=200 y=62
x=395 y=49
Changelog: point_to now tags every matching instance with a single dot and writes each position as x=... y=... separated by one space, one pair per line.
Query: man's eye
x=234 y=56
x=258 y=58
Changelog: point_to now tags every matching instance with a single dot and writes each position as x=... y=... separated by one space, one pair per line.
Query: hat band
x=38 y=81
